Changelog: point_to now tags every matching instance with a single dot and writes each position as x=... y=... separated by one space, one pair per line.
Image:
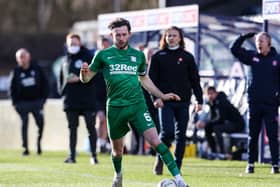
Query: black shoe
x=158 y=166
x=275 y=169
x=39 y=150
x=250 y=169
x=25 y=153
x=70 y=161
x=93 y=160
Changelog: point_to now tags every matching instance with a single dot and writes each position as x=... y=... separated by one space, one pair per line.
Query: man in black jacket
x=174 y=70
x=263 y=93
x=222 y=117
x=78 y=98
x=29 y=91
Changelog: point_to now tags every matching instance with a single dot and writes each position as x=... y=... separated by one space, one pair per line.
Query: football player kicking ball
x=123 y=67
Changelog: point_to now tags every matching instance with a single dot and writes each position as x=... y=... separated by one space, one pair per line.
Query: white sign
x=271 y=9
x=153 y=19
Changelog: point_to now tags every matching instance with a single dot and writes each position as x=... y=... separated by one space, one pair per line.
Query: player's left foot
x=117 y=181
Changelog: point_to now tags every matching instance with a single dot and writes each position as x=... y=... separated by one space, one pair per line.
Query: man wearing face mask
x=78 y=99
x=263 y=94
x=174 y=70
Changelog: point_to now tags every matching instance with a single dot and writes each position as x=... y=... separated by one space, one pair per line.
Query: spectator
x=78 y=99
x=123 y=67
x=263 y=94
x=174 y=70
x=29 y=91
x=223 y=118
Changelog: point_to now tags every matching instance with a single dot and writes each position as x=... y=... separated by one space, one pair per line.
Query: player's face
x=172 y=38
x=120 y=36
x=211 y=95
x=262 y=44
x=73 y=42
x=23 y=59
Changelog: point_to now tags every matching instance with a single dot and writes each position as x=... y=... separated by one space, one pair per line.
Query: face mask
x=74 y=49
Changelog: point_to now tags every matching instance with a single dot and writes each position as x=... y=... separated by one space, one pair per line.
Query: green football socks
x=168 y=159
x=117 y=164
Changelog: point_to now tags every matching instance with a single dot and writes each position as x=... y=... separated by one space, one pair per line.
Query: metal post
x=265 y=25
x=117 y=6
x=197 y=43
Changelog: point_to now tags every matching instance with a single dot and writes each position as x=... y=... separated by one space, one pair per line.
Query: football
x=167 y=183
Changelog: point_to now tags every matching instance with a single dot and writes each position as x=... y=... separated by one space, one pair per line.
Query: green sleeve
x=96 y=63
x=142 y=66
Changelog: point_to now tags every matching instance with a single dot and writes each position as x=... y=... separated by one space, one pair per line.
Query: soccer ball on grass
x=167 y=183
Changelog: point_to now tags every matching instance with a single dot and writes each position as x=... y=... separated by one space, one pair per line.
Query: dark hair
x=73 y=35
x=211 y=88
x=118 y=22
x=163 y=43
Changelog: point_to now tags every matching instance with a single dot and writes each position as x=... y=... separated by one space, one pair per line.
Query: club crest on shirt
x=274 y=63
x=255 y=59
x=78 y=63
x=133 y=58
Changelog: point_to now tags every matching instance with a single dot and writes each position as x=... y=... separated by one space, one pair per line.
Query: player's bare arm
x=149 y=86
x=85 y=73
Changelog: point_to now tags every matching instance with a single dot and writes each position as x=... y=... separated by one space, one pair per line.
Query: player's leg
x=38 y=115
x=152 y=137
x=182 y=117
x=117 y=152
x=92 y=136
x=117 y=128
x=73 y=122
x=24 y=127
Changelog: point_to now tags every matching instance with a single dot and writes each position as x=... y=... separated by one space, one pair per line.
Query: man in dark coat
x=29 y=91
x=263 y=93
x=78 y=99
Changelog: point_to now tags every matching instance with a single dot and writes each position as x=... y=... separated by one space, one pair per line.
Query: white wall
x=56 y=132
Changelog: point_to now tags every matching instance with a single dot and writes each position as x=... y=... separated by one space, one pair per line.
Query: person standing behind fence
x=78 y=98
x=29 y=91
x=174 y=70
x=263 y=93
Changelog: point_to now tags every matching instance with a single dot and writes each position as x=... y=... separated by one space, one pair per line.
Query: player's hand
x=200 y=124
x=171 y=96
x=198 y=107
x=84 y=68
x=72 y=78
x=158 y=103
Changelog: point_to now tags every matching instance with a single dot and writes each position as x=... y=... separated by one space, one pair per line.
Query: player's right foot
x=117 y=181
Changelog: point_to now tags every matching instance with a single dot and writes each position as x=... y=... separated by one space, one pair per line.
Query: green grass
x=49 y=170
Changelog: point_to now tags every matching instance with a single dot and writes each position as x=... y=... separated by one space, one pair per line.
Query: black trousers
x=219 y=129
x=174 y=122
x=73 y=123
x=268 y=114
x=35 y=107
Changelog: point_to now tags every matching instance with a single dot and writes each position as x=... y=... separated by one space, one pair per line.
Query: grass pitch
x=48 y=170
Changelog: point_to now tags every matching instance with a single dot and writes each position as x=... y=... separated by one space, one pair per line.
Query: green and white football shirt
x=121 y=69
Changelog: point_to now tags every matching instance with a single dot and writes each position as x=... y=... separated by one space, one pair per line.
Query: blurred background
x=41 y=27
